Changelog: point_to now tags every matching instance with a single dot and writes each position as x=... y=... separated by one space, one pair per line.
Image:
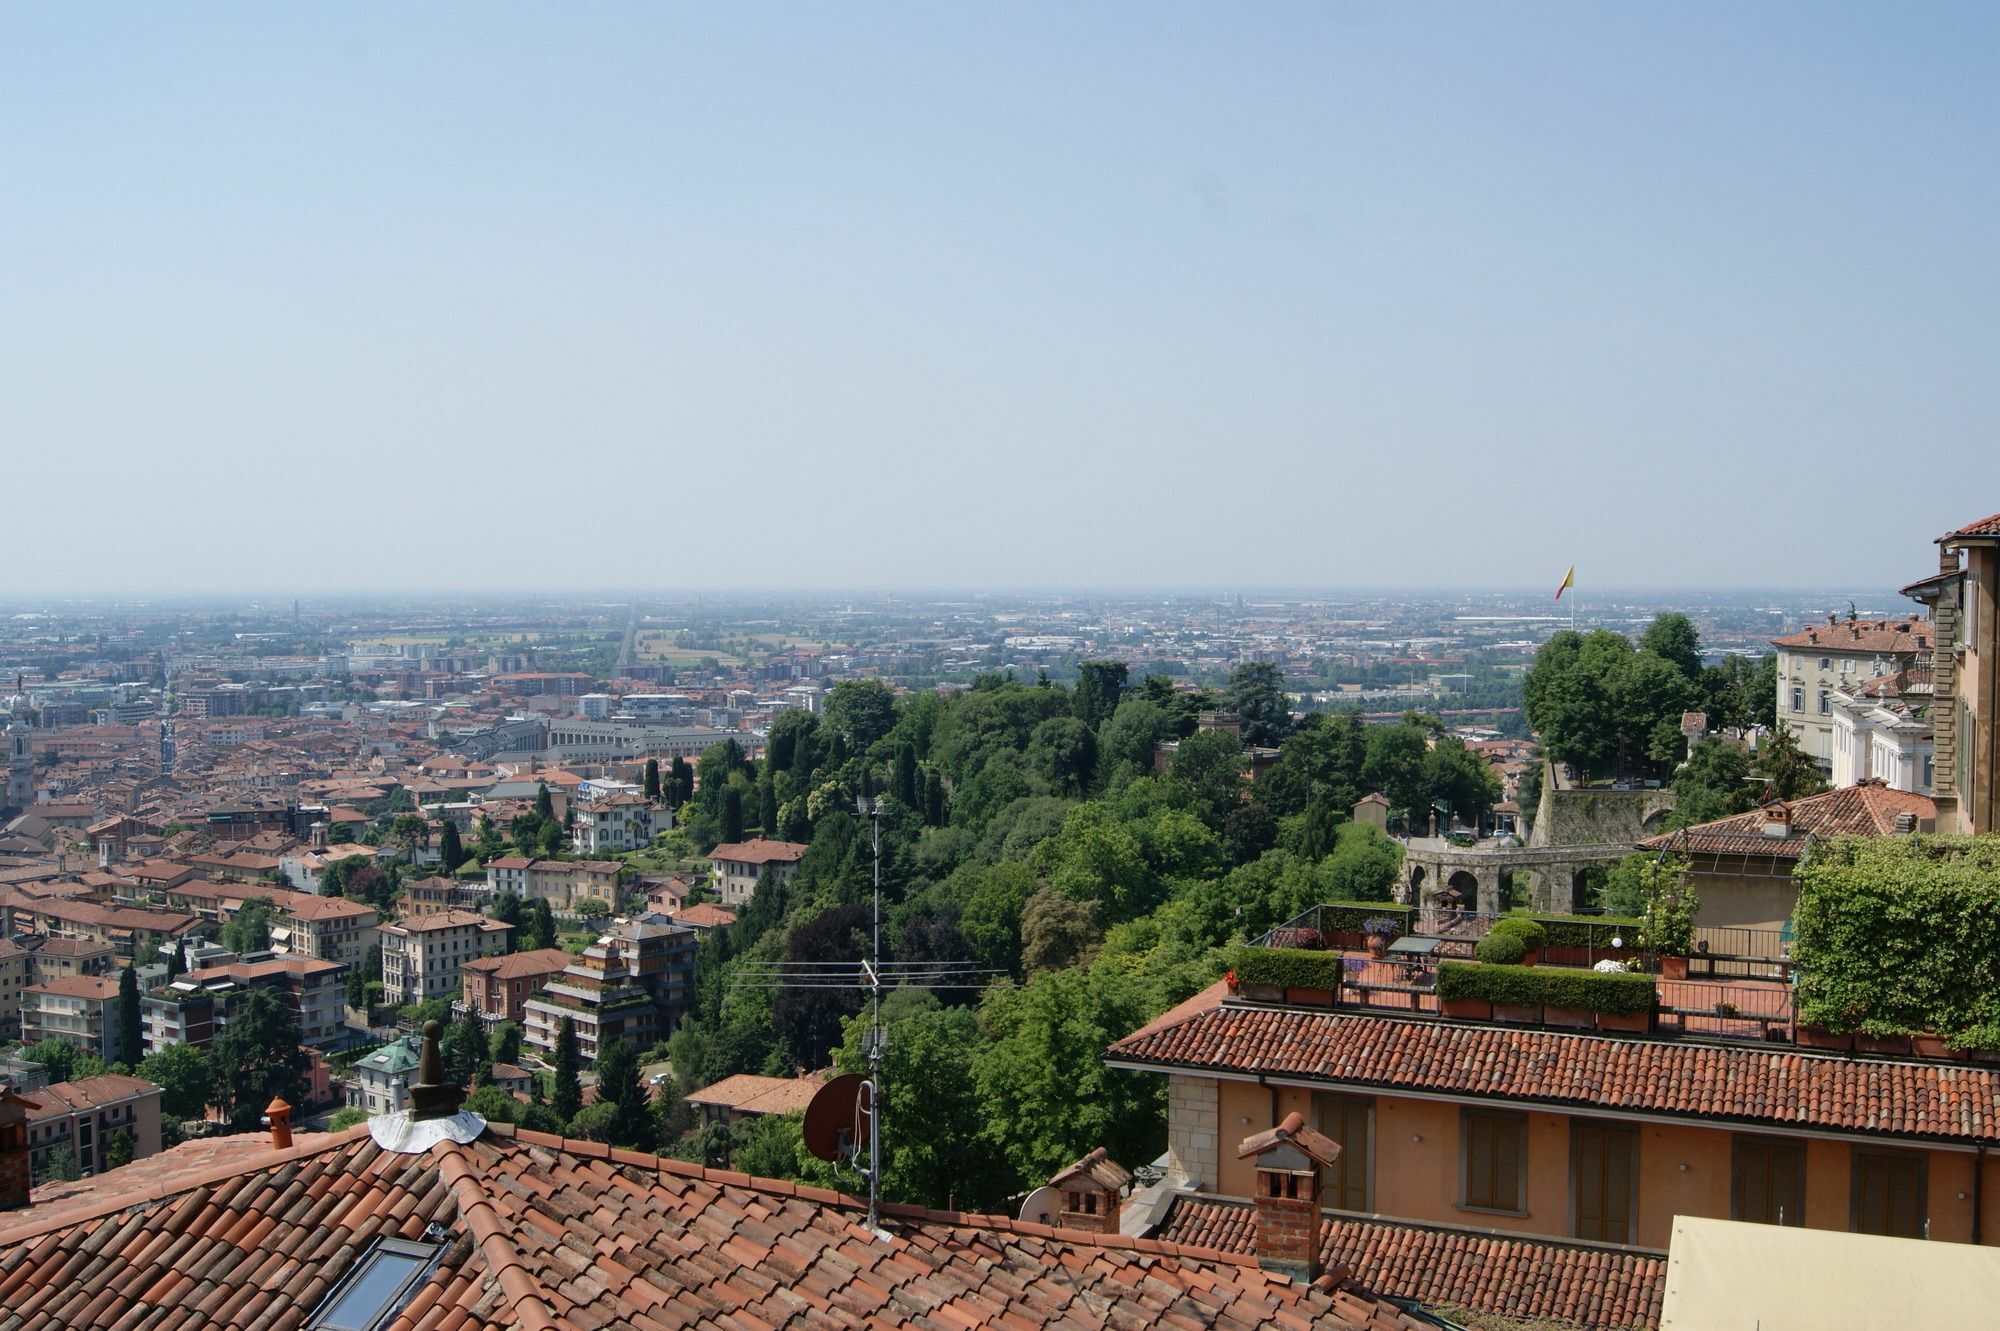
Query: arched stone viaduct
x=1483 y=874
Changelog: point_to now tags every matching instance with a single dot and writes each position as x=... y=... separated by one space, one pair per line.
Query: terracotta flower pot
x=1926 y=1045
x=1882 y=1044
x=1819 y=1037
x=1570 y=1018
x=1531 y=956
x=1520 y=1014
x=1673 y=968
x=1301 y=996
x=1468 y=1009
x=1632 y=1023
x=1378 y=945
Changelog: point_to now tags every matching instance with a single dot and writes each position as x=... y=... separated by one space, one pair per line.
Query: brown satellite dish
x=837 y=1120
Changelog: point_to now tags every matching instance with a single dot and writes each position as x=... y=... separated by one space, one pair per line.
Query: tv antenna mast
x=845 y=1116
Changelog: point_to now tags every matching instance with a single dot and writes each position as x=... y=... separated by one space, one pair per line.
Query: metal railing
x=1724 y=1011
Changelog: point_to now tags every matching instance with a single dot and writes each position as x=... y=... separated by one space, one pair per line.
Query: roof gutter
x=1553 y=1107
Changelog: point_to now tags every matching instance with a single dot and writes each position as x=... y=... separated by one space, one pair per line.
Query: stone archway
x=1415 y=895
x=1579 y=889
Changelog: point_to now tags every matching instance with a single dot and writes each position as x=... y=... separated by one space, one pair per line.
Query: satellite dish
x=838 y=1119
x=1042 y=1207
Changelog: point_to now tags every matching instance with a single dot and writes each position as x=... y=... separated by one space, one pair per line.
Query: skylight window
x=380 y=1286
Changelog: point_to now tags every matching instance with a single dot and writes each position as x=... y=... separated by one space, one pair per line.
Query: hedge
x=1901 y=934
x=1501 y=948
x=1532 y=935
x=1288 y=967
x=1347 y=917
x=1588 y=930
x=1546 y=986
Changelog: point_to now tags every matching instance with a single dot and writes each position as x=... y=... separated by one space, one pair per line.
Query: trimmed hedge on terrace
x=1347 y=917
x=1288 y=967
x=1578 y=930
x=1546 y=986
x=1901 y=934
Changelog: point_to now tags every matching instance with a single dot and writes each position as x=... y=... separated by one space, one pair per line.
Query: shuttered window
x=1890 y=1193
x=1603 y=1173
x=1350 y=1121
x=1768 y=1184
x=1493 y=1160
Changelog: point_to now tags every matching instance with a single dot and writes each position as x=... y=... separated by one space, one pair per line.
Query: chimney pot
x=1291 y=1163
x=279 y=1115
x=1093 y=1192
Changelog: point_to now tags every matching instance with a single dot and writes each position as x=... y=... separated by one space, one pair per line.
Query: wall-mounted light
x=1416 y=1136
x=1684 y=1168
x=1245 y=1120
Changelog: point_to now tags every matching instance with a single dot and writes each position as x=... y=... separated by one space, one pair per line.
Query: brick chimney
x=1291 y=1159
x=1092 y=1191
x=14 y=1173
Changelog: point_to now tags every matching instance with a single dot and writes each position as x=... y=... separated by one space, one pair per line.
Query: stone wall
x=1598 y=817
x=1191 y=1130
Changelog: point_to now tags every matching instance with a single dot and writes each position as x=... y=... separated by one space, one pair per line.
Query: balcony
x=1737 y=986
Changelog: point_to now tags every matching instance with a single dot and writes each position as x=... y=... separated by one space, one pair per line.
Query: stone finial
x=430 y=1095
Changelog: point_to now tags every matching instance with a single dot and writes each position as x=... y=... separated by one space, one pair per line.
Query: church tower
x=20 y=767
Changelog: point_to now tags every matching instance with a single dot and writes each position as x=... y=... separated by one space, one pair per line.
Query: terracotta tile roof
x=758 y=850
x=1579 y=1284
x=1983 y=527
x=444 y=919
x=1779 y=1087
x=66 y=1097
x=100 y=987
x=707 y=915
x=520 y=965
x=1867 y=809
x=747 y=1093
x=555 y=1235
x=1886 y=637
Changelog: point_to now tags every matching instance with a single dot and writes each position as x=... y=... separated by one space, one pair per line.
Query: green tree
x=1063 y=752
x=1056 y=931
x=506 y=1043
x=257 y=1057
x=176 y=962
x=545 y=805
x=1460 y=778
x=1364 y=865
x=1211 y=765
x=493 y=1104
x=933 y=1154
x=679 y=787
x=507 y=910
x=185 y=1078
x=732 y=814
x=861 y=710
x=1394 y=765
x=569 y=1082
x=1673 y=639
x=130 y=1034
x=118 y=1149
x=1100 y=686
x=467 y=1055
x=1047 y=1096
x=1785 y=765
x=652 y=782
x=1256 y=692
x=542 y=924
x=1321 y=760
x=249 y=930
x=632 y=1123
x=1712 y=783
x=57 y=1056
x=60 y=1166
x=451 y=850
x=343 y=1119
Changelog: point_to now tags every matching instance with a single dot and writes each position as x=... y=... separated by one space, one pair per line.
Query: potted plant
x=1533 y=936
x=1380 y=931
x=1667 y=928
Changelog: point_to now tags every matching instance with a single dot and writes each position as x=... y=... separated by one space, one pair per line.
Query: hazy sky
x=314 y=297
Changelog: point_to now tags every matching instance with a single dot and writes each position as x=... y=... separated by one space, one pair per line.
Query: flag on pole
x=1569 y=581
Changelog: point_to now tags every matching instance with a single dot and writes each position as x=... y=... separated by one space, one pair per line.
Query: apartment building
x=498 y=988
x=85 y=1114
x=13 y=981
x=613 y=823
x=633 y=982
x=81 y=1009
x=1882 y=730
x=1818 y=660
x=421 y=955
x=125 y=929
x=737 y=866
x=1964 y=600
x=380 y=1082
x=561 y=883
x=313 y=989
x=325 y=928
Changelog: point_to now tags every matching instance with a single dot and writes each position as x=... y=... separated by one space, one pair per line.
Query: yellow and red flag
x=1569 y=581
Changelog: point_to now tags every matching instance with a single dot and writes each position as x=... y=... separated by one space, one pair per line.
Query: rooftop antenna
x=846 y=1114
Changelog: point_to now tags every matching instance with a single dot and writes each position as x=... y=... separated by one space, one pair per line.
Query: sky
x=313 y=298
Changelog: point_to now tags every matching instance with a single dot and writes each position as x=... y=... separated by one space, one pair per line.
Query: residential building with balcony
x=498 y=988
x=614 y=823
x=303 y=924
x=1882 y=730
x=313 y=989
x=84 y=1115
x=179 y=1013
x=13 y=981
x=738 y=865
x=60 y=958
x=421 y=955
x=81 y=1009
x=380 y=1082
x=598 y=992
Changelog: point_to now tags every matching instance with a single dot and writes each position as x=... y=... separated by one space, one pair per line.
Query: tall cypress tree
x=130 y=1048
x=653 y=780
x=569 y=1085
x=450 y=848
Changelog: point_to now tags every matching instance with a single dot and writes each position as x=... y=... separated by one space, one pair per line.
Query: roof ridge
x=504 y=1262
x=1445 y=1227
x=58 y=1216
